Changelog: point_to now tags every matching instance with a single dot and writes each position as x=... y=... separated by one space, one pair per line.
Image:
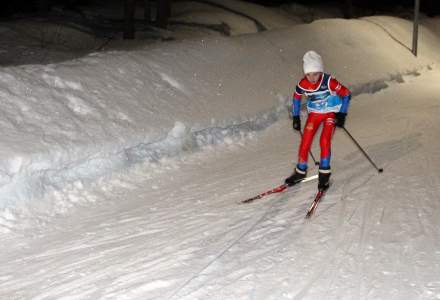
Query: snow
x=191 y=240
x=269 y=19
x=313 y=11
x=38 y=40
x=80 y=119
x=239 y=16
x=200 y=13
x=121 y=171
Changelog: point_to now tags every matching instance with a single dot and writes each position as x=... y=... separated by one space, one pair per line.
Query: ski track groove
x=337 y=233
x=327 y=260
x=278 y=201
x=186 y=283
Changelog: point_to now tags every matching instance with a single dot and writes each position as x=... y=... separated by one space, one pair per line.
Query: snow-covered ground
x=80 y=119
x=176 y=231
x=121 y=172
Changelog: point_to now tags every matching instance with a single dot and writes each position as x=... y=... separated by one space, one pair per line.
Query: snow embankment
x=78 y=120
x=242 y=17
x=231 y=17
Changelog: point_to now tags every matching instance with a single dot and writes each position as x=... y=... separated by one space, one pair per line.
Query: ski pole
x=310 y=151
x=380 y=170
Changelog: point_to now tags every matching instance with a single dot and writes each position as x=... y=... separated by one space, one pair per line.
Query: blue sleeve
x=296 y=103
x=345 y=104
x=296 y=107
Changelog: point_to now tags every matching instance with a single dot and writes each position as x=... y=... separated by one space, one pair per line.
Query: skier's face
x=313 y=77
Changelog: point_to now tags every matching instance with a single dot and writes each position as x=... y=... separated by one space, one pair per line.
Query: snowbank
x=239 y=17
x=27 y=42
x=268 y=18
x=201 y=13
x=81 y=119
x=305 y=14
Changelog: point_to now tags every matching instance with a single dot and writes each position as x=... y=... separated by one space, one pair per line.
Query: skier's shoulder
x=331 y=79
x=303 y=85
x=336 y=85
x=301 y=82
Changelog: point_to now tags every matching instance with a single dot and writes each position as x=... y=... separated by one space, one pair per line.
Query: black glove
x=340 y=119
x=296 y=123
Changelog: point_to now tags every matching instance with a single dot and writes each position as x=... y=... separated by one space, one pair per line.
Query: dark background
x=430 y=7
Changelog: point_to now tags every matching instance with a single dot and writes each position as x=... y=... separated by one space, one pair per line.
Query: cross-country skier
x=327 y=104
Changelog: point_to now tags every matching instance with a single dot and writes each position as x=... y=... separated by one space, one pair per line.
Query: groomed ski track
x=181 y=233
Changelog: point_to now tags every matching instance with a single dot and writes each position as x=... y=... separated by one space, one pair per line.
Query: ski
x=315 y=203
x=276 y=190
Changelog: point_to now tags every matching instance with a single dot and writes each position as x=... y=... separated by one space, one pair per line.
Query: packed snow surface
x=121 y=172
x=80 y=119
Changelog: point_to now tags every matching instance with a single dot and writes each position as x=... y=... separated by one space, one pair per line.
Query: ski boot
x=324 y=177
x=296 y=177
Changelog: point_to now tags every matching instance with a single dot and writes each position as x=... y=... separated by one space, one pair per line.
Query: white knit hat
x=312 y=62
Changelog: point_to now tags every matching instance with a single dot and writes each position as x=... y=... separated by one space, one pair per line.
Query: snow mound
x=306 y=14
x=237 y=17
x=268 y=18
x=78 y=120
x=24 y=42
x=201 y=13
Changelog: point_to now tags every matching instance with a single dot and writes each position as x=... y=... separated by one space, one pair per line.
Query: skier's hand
x=340 y=119
x=296 y=123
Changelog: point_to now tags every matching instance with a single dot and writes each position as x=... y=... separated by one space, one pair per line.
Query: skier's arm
x=342 y=92
x=345 y=94
x=296 y=107
x=296 y=101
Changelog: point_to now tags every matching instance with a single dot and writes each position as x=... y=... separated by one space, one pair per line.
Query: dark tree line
x=430 y=7
x=11 y=7
x=348 y=7
x=163 y=12
x=162 y=9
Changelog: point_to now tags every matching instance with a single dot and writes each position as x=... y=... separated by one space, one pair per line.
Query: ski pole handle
x=380 y=170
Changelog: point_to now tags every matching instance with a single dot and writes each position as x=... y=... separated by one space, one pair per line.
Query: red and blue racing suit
x=324 y=99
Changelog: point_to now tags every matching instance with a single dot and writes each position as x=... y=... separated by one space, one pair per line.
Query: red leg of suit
x=326 y=140
x=313 y=122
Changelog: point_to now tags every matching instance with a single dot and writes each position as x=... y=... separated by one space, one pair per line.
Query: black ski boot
x=296 y=177
x=324 y=177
